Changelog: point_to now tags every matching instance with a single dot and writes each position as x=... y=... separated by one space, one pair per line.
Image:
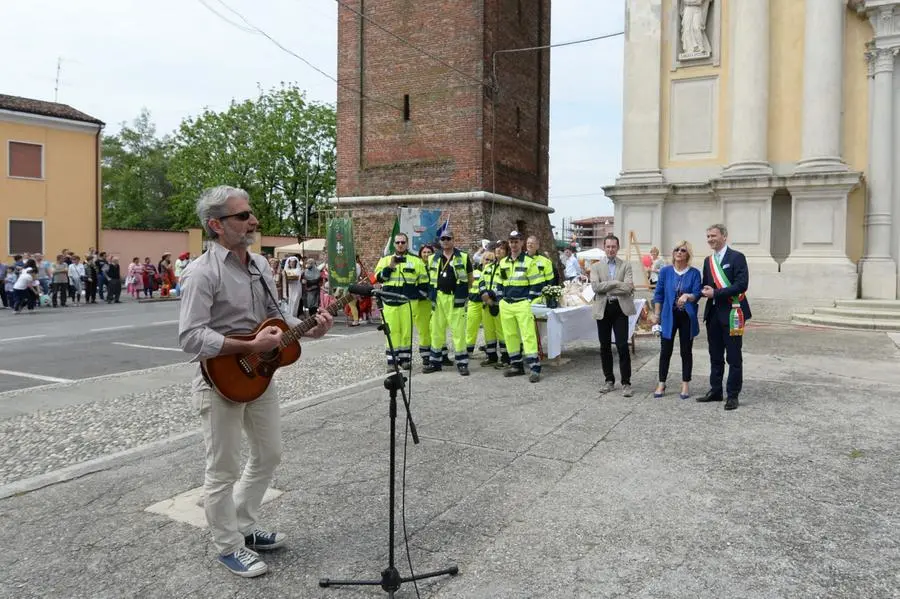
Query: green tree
x=279 y=148
x=136 y=188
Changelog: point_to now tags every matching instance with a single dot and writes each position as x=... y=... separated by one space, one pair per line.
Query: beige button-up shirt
x=219 y=297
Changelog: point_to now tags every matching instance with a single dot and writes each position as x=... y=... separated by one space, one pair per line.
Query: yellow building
x=50 y=183
x=775 y=118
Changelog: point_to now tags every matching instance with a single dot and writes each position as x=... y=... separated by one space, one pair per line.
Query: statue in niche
x=694 y=41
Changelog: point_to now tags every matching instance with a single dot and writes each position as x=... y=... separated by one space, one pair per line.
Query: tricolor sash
x=736 y=318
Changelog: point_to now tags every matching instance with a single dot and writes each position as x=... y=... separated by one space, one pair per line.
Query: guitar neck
x=292 y=335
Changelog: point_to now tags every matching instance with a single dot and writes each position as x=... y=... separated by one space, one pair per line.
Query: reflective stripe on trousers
x=518 y=328
x=444 y=315
x=399 y=319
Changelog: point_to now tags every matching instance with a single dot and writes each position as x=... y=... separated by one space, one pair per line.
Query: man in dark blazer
x=724 y=283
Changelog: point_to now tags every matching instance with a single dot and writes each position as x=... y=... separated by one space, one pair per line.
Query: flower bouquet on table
x=551 y=294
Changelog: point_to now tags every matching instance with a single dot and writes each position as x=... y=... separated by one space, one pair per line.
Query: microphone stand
x=391 y=580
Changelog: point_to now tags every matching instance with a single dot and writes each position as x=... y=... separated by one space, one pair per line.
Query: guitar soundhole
x=271 y=355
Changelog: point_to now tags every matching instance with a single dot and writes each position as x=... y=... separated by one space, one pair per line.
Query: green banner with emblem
x=341 y=253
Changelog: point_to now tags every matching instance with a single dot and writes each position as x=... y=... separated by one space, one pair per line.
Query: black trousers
x=614 y=321
x=724 y=348
x=682 y=327
x=90 y=291
x=22 y=298
x=114 y=290
x=59 y=293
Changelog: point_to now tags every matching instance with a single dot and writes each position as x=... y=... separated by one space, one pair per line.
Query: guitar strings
x=255 y=359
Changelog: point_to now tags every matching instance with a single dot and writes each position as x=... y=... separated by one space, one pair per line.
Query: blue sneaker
x=244 y=562
x=263 y=540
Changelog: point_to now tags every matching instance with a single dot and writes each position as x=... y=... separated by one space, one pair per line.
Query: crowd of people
x=301 y=284
x=31 y=281
x=444 y=292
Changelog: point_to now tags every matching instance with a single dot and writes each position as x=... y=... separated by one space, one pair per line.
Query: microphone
x=369 y=291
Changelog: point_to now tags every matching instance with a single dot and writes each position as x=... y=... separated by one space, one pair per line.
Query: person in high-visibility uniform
x=474 y=311
x=487 y=292
x=491 y=284
x=402 y=275
x=422 y=310
x=450 y=276
x=521 y=282
x=545 y=267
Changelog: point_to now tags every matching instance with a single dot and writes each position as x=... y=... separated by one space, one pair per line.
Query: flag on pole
x=389 y=246
x=444 y=229
x=341 y=253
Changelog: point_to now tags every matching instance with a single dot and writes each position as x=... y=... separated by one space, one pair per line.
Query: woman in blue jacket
x=675 y=309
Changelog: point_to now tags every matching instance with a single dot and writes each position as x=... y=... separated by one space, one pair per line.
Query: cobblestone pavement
x=533 y=490
x=48 y=440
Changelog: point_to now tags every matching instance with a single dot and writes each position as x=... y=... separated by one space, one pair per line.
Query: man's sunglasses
x=400 y=242
x=446 y=239
x=245 y=215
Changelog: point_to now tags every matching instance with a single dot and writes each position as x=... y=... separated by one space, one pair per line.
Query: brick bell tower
x=444 y=133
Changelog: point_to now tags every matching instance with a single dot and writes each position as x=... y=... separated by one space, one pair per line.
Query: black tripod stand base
x=390 y=579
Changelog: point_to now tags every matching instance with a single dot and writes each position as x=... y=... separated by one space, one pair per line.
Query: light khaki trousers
x=233 y=498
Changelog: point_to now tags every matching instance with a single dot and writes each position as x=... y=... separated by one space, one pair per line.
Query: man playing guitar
x=225 y=291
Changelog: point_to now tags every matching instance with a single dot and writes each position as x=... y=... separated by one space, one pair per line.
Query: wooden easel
x=633 y=243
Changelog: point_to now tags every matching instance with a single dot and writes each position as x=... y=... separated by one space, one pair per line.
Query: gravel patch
x=42 y=442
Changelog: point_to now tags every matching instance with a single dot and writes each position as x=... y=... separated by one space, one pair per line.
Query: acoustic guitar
x=244 y=377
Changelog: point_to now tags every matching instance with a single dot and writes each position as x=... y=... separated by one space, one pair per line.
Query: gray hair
x=211 y=204
x=722 y=229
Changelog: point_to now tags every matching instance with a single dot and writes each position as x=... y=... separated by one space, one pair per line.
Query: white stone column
x=823 y=86
x=895 y=200
x=641 y=109
x=879 y=271
x=749 y=88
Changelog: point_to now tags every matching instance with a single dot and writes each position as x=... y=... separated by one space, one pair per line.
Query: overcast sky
x=175 y=57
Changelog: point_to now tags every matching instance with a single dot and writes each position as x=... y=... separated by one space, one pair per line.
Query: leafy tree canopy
x=278 y=147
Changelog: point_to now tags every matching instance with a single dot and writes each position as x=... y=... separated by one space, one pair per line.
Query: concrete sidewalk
x=542 y=490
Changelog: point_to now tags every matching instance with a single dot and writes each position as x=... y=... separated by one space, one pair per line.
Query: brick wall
x=517 y=110
x=461 y=135
x=438 y=148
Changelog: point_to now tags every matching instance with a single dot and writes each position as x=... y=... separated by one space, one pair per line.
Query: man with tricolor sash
x=725 y=281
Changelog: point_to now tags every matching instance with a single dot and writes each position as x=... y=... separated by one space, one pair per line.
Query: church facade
x=780 y=120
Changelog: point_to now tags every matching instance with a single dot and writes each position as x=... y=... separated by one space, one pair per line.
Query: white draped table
x=560 y=326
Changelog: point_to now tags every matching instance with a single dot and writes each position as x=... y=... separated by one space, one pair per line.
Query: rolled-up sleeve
x=194 y=333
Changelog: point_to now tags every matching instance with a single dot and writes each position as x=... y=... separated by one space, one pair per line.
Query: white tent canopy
x=592 y=254
x=308 y=246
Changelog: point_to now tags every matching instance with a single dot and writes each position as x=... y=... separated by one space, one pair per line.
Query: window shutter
x=25 y=160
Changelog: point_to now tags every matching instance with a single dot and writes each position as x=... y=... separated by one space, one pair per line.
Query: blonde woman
x=656 y=264
x=675 y=310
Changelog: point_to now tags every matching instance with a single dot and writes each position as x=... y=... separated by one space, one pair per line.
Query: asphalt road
x=74 y=343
